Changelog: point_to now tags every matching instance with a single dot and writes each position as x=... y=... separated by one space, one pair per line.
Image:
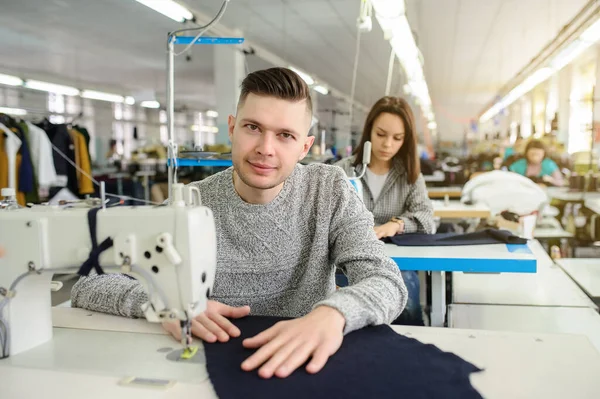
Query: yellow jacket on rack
x=82 y=159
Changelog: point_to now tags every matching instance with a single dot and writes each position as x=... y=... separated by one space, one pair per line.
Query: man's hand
x=212 y=324
x=389 y=229
x=289 y=344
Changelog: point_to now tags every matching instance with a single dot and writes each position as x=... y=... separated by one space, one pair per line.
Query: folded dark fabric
x=483 y=237
x=374 y=362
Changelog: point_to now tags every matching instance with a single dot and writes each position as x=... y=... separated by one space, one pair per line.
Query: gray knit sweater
x=280 y=258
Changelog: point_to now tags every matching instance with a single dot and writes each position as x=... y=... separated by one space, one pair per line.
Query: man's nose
x=266 y=144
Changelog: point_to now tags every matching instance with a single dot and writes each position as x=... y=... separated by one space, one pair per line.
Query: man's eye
x=287 y=136
x=252 y=127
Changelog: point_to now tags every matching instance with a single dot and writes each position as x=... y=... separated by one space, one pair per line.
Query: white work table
x=550 y=286
x=565 y=194
x=441 y=192
x=458 y=210
x=496 y=258
x=90 y=360
x=593 y=204
x=530 y=319
x=585 y=272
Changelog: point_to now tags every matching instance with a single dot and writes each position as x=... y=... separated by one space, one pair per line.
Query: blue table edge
x=472 y=265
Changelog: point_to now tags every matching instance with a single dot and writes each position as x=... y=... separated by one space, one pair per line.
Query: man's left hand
x=289 y=344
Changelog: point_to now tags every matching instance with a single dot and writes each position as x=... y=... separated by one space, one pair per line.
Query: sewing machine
x=170 y=249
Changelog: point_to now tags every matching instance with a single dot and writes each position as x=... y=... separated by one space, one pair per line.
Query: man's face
x=268 y=137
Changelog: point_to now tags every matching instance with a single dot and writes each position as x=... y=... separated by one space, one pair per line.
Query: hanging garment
x=26 y=167
x=33 y=195
x=66 y=174
x=10 y=161
x=82 y=159
x=41 y=155
x=86 y=135
x=483 y=237
x=374 y=362
x=11 y=146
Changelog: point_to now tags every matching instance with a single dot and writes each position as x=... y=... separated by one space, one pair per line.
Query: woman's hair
x=538 y=144
x=408 y=152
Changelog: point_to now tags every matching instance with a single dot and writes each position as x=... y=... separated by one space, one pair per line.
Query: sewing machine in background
x=170 y=249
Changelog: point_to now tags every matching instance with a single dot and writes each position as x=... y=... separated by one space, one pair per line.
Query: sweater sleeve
x=114 y=294
x=418 y=214
x=376 y=293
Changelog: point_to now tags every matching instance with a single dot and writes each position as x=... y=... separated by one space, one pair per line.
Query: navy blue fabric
x=92 y=261
x=374 y=362
x=26 y=168
x=483 y=237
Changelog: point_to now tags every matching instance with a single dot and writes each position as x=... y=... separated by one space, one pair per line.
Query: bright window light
x=432 y=125
x=212 y=114
x=51 y=87
x=10 y=80
x=150 y=104
x=98 y=95
x=306 y=77
x=13 y=111
x=321 y=89
x=129 y=100
x=169 y=8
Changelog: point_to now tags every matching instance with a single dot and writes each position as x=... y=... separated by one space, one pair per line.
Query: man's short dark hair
x=282 y=83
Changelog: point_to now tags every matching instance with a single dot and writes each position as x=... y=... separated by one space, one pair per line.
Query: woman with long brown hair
x=393 y=186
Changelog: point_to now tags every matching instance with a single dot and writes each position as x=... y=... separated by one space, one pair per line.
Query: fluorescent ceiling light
x=129 y=100
x=212 y=114
x=306 y=77
x=10 y=80
x=205 y=129
x=321 y=89
x=51 y=87
x=98 y=95
x=150 y=104
x=169 y=8
x=13 y=111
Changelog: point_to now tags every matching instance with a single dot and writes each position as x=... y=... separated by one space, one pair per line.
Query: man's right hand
x=212 y=325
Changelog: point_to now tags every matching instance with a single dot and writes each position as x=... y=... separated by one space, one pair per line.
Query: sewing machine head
x=170 y=249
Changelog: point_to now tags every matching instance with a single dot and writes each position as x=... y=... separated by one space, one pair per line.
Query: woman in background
x=393 y=186
x=536 y=166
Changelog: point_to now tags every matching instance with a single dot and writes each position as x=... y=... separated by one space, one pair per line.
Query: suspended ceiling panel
x=472 y=48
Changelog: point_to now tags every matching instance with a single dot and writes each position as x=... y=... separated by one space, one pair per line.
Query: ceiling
x=470 y=47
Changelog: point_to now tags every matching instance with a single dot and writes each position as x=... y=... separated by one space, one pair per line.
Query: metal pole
x=388 y=85
x=171 y=114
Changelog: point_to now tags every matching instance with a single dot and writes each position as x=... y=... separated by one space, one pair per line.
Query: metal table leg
x=438 y=299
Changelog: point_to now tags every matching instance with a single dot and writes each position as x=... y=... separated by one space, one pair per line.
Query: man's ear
x=231 y=125
x=308 y=142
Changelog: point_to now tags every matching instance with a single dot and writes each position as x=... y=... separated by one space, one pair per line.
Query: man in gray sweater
x=282 y=228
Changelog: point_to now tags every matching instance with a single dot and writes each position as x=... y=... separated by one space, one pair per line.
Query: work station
x=266 y=199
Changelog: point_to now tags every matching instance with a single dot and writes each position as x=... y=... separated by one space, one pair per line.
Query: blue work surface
x=202 y=162
x=493 y=258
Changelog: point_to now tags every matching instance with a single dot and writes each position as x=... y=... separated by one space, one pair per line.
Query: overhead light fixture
x=169 y=8
x=129 y=100
x=321 y=89
x=51 y=87
x=98 y=95
x=13 y=111
x=212 y=114
x=306 y=77
x=9 y=80
x=432 y=125
x=205 y=129
x=150 y=104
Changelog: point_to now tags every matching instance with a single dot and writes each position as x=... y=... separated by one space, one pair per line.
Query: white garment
x=12 y=143
x=41 y=156
x=376 y=183
x=505 y=191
